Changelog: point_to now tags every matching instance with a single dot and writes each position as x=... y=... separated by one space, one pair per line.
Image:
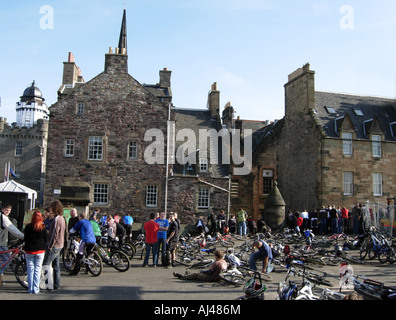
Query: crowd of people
x=241 y=223
x=329 y=219
x=47 y=234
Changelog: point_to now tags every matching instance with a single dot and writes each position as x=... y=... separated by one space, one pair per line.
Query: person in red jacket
x=151 y=228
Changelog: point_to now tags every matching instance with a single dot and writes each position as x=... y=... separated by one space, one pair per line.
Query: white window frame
x=377 y=184
x=151 y=196
x=347 y=138
x=203 y=164
x=376 y=145
x=132 y=150
x=18 y=149
x=69 y=148
x=347 y=179
x=95 y=148
x=80 y=108
x=101 y=194
x=203 y=198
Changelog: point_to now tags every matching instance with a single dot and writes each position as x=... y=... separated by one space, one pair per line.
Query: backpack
x=166 y=259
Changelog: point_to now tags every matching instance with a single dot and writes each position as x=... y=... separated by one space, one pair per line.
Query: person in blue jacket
x=88 y=239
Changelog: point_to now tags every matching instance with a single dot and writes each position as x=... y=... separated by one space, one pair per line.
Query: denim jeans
x=151 y=247
x=53 y=256
x=242 y=228
x=160 y=243
x=3 y=258
x=323 y=226
x=34 y=263
x=258 y=256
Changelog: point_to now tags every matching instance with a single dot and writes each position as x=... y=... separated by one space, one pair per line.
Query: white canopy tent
x=12 y=186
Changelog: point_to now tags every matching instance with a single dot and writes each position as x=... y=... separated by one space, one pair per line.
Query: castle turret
x=31 y=107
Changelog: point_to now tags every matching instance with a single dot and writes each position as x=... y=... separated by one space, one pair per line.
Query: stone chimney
x=165 y=78
x=228 y=115
x=116 y=63
x=300 y=92
x=214 y=101
x=70 y=71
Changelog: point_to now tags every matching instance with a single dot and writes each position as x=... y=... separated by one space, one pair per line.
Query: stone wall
x=119 y=109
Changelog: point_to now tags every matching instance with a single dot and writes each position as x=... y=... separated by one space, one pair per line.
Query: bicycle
x=291 y=290
x=337 y=256
x=20 y=270
x=373 y=290
x=91 y=259
x=114 y=258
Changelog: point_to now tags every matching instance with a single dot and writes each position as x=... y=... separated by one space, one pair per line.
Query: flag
x=13 y=173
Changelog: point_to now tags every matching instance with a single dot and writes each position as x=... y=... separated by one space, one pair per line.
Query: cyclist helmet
x=234 y=260
x=253 y=288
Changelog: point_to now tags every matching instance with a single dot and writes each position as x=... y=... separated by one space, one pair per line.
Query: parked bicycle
x=17 y=262
x=113 y=257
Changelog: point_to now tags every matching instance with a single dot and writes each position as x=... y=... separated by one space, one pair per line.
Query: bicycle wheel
x=21 y=273
x=353 y=259
x=227 y=243
x=364 y=249
x=119 y=260
x=183 y=261
x=128 y=249
x=384 y=253
x=94 y=263
x=69 y=260
x=331 y=261
x=234 y=279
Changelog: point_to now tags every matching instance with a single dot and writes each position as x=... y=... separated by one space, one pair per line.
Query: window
x=330 y=110
x=203 y=198
x=348 y=183
x=376 y=142
x=80 y=108
x=101 y=194
x=377 y=184
x=69 y=148
x=203 y=164
x=358 y=112
x=95 y=148
x=151 y=196
x=347 y=143
x=18 y=148
x=132 y=150
x=268 y=176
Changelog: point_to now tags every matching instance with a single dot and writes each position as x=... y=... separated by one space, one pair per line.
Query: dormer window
x=330 y=110
x=358 y=112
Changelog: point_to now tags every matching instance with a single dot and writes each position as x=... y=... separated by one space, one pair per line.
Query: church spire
x=122 y=44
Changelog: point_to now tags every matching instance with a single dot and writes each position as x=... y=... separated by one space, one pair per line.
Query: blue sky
x=247 y=46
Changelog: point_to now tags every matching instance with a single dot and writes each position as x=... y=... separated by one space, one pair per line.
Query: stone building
x=98 y=148
x=23 y=144
x=330 y=148
x=109 y=143
x=201 y=183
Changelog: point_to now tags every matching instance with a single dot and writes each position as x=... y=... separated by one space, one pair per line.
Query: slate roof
x=196 y=119
x=382 y=109
x=260 y=130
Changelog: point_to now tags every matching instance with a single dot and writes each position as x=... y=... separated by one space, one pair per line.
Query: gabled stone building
x=109 y=143
x=97 y=139
x=330 y=148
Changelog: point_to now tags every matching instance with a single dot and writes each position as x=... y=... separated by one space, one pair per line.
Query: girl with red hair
x=35 y=245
